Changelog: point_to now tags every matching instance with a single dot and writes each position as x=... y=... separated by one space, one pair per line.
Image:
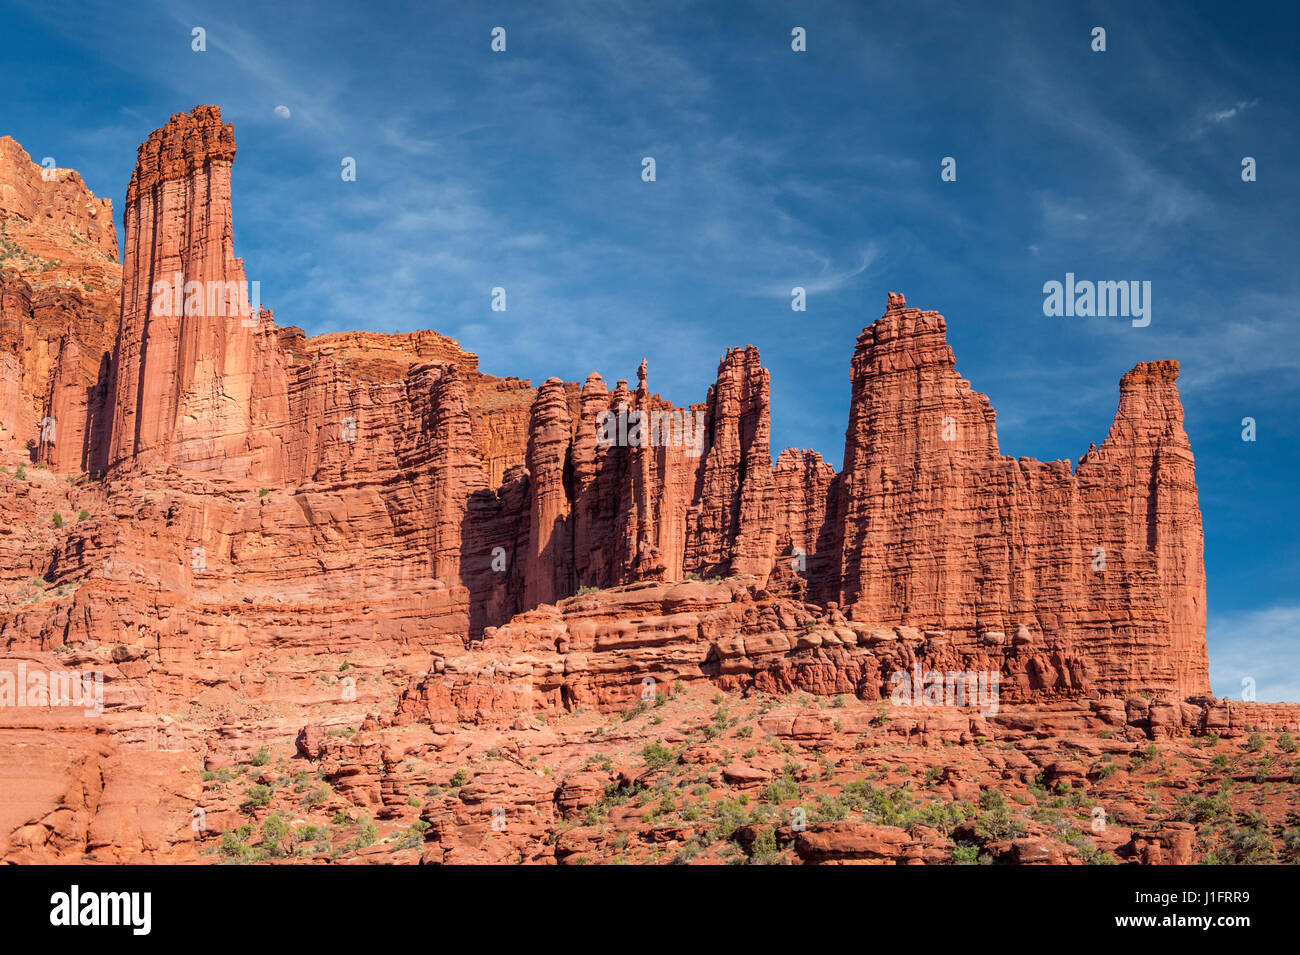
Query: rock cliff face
x=202 y=380
x=60 y=283
x=399 y=446
x=937 y=529
x=276 y=530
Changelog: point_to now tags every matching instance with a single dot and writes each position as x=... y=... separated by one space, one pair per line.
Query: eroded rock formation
x=277 y=532
x=937 y=529
x=395 y=452
x=60 y=285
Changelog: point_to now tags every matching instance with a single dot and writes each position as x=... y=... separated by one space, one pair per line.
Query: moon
x=282 y=112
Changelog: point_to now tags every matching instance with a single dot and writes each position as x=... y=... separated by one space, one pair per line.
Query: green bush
x=965 y=855
x=764 y=851
x=234 y=848
x=275 y=833
x=998 y=824
x=414 y=836
x=58 y=519
x=780 y=790
x=1250 y=844
x=256 y=797
x=657 y=755
x=1291 y=845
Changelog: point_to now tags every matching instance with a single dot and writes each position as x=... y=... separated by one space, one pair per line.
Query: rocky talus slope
x=348 y=598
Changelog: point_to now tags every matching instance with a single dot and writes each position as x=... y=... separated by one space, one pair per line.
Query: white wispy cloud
x=1220 y=116
x=827 y=278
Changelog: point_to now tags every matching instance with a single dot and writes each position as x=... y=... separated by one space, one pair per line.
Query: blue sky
x=774 y=169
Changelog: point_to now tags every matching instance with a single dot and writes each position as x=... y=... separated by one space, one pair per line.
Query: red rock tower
x=937 y=529
x=199 y=383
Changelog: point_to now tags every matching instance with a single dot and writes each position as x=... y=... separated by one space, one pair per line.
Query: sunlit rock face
x=261 y=533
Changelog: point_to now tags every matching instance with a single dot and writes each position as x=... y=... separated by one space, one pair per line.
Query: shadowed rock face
x=254 y=502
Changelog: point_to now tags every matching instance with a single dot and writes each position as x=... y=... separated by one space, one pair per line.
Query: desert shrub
x=275 y=834
x=1211 y=809
x=234 y=848
x=657 y=755
x=965 y=855
x=414 y=836
x=764 y=851
x=1291 y=846
x=998 y=823
x=1249 y=843
x=256 y=797
x=779 y=790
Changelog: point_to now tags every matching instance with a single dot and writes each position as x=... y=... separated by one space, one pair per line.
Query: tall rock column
x=916 y=438
x=732 y=527
x=1148 y=442
x=63 y=442
x=455 y=472
x=937 y=529
x=550 y=558
x=194 y=353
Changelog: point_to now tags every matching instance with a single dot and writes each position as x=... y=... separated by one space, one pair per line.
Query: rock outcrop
x=398 y=445
x=364 y=553
x=60 y=284
x=937 y=529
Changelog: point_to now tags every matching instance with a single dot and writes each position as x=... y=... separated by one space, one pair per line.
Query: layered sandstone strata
x=218 y=389
x=60 y=283
x=365 y=532
x=419 y=455
x=936 y=528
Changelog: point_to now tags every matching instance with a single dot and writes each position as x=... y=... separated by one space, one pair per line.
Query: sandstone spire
x=194 y=354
